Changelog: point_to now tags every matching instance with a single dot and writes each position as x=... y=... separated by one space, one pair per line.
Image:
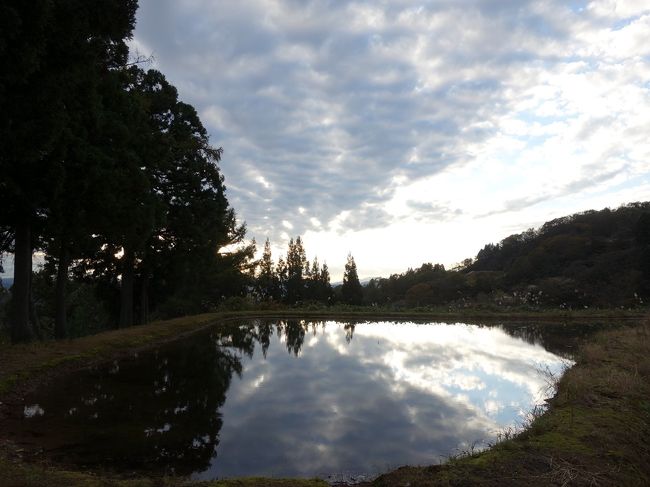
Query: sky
x=408 y=131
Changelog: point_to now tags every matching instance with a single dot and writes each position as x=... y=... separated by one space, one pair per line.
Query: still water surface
x=294 y=398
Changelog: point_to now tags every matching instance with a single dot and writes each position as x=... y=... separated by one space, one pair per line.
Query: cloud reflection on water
x=393 y=394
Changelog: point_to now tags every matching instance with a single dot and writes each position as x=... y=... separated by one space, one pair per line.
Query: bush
x=236 y=303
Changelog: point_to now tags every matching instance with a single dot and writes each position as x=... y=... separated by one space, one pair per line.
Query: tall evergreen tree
x=122 y=198
x=105 y=169
x=282 y=275
x=317 y=285
x=103 y=191
x=53 y=52
x=267 y=279
x=351 y=291
x=296 y=264
x=325 y=288
x=314 y=273
x=30 y=122
x=168 y=239
x=197 y=220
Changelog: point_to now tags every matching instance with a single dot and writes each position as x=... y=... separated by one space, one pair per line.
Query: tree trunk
x=33 y=316
x=144 y=301
x=60 y=322
x=126 y=290
x=21 y=330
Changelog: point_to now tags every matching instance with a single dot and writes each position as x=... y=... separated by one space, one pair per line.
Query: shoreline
x=559 y=442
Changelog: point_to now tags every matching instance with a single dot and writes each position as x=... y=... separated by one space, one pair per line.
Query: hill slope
x=595 y=258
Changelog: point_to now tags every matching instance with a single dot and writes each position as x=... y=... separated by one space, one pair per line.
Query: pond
x=335 y=400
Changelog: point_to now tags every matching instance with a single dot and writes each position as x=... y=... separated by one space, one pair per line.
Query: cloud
x=424 y=210
x=588 y=180
x=336 y=107
x=367 y=217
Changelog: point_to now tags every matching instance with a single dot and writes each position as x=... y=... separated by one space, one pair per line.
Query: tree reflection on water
x=159 y=411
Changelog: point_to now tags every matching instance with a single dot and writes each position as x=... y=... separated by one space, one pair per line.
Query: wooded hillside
x=594 y=258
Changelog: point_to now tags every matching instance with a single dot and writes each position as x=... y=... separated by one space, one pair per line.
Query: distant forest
x=589 y=259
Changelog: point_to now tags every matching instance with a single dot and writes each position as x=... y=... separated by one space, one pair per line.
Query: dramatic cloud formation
x=408 y=131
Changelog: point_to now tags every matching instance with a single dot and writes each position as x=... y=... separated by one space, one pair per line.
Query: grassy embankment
x=597 y=431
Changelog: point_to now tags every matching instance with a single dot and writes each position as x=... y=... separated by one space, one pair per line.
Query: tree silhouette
x=107 y=171
x=351 y=291
x=296 y=269
x=159 y=413
x=54 y=55
x=267 y=285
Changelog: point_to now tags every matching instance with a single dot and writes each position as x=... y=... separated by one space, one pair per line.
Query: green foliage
x=164 y=236
x=293 y=280
x=107 y=172
x=394 y=290
x=86 y=312
x=351 y=290
x=593 y=258
x=590 y=259
x=267 y=283
x=4 y=308
x=237 y=303
x=642 y=229
x=296 y=270
x=55 y=54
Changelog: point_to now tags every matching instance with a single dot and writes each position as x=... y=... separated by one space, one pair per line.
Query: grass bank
x=596 y=432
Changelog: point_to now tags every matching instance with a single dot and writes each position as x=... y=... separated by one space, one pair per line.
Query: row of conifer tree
x=293 y=279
